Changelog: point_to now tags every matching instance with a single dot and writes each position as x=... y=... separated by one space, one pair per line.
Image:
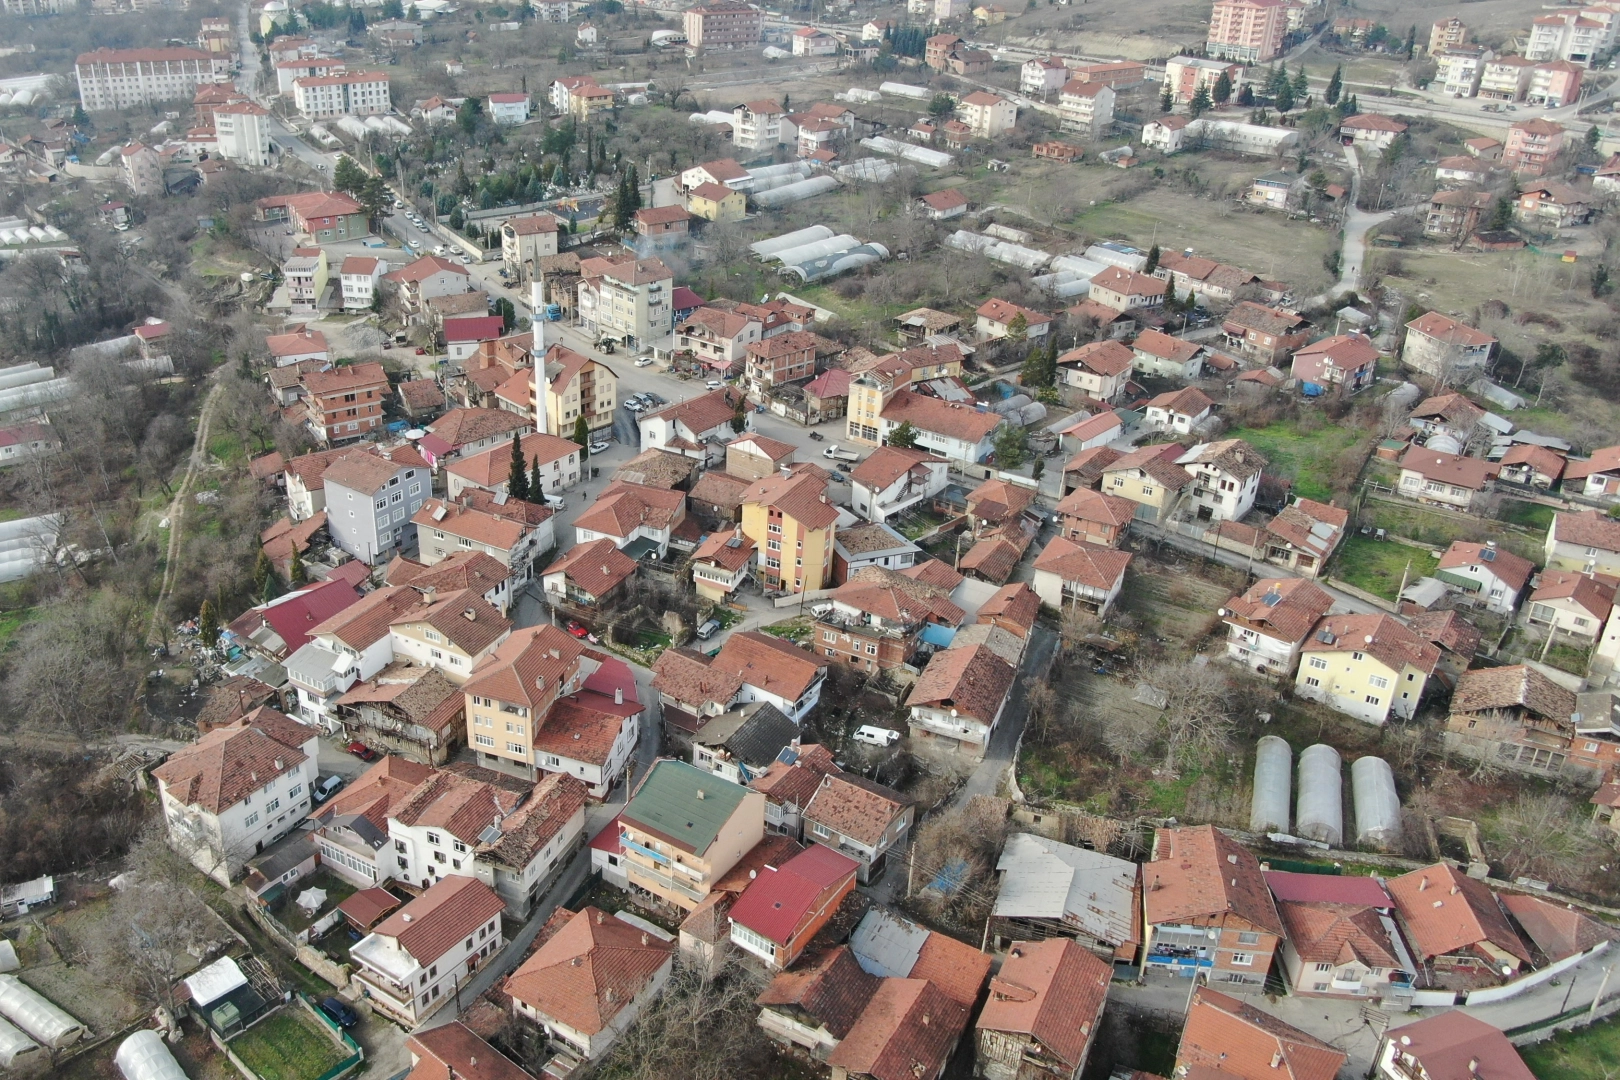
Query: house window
x=1242 y=959
x=1378 y=682
x=1311 y=680
x=433 y=838
x=1248 y=937
x=828 y=635
x=272 y=806
x=1324 y=967
x=1318 y=663
x=1357 y=656
x=292 y=792
x=819 y=829
x=1373 y=700
x=484 y=740
x=252 y=820
x=516 y=748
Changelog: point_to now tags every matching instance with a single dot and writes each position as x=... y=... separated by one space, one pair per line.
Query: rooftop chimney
x=618 y=695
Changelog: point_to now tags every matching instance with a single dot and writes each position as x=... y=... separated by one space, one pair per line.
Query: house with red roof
x=1044 y=1010
x=1367 y=666
x=783 y=907
x=278 y=628
x=1268 y=624
x=590 y=981
x=419 y=954
x=1456 y=929
x=998 y=319
x=1485 y=573
x=1450 y=1046
x=1229 y=1038
x=1208 y=910
x=1071 y=572
x=943 y=205
x=1570 y=605
x=1346 y=362
x=1340 y=940
x=958 y=700
x=464 y=335
x=1433 y=476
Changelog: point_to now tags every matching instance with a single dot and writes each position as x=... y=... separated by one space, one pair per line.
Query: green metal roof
x=683 y=804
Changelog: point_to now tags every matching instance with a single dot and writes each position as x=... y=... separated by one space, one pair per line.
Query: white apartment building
x=1573 y=34
x=1226 y=479
x=1458 y=71
x=630 y=301
x=238 y=789
x=415 y=958
x=359 y=93
x=756 y=126
x=359 y=275
x=127 y=78
x=1086 y=108
x=311 y=67
x=242 y=130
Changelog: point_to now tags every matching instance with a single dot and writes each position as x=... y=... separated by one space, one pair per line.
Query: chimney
x=618 y=695
x=539 y=682
x=279 y=765
x=471 y=615
x=428 y=593
x=405 y=915
x=1473 y=1066
x=1276 y=1059
x=601 y=917
x=644 y=937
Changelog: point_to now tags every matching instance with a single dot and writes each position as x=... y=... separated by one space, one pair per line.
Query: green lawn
x=796 y=630
x=1306 y=458
x=290 y=1045
x=11 y=622
x=1590 y=1053
x=1528 y=515
x=1440 y=528
x=1377 y=566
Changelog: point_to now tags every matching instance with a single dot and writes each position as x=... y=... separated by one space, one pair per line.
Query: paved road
x=1353 y=255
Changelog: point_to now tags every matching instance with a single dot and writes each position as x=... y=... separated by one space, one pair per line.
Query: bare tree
x=157 y=927
x=697 y=1029
x=1195 y=722
x=1543 y=835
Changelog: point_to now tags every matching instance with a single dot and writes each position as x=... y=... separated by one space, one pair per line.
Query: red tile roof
x=974 y=681
x=856 y=807
x=1589 y=528
x=1359 y=889
x=1513 y=570
x=1556 y=930
x=769 y=663
x=222 y=767
x=953 y=420
x=832 y=992
x=1200 y=871
x=1382 y=637
x=1457 y=1046
x=692 y=681
x=1230 y=1038
x=1101 y=357
x=1053 y=991
x=1282 y=608
x=1089 y=564
x=907 y=1030
x=455 y=1052
x=801 y=496
x=623 y=507
x=432 y=924
x=1446 y=911
x=590 y=970
x=294 y=616
x=527 y=668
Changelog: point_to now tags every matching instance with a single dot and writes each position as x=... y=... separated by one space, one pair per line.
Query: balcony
x=666 y=882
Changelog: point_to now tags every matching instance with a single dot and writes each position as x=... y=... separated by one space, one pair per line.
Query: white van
x=876 y=736
x=555 y=502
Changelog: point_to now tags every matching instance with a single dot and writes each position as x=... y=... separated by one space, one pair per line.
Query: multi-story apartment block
x=1447 y=34
x=568 y=385
x=988 y=115
x=1573 y=34
x=129 y=78
x=1458 y=70
x=306 y=274
x=1506 y=78
x=237 y=790
x=878 y=617
x=1249 y=31
x=1183 y=75
x=358 y=93
x=344 y=403
x=1040 y=77
x=757 y=126
x=1532 y=145
x=1555 y=84
x=370 y=500
x=724 y=24
x=1367 y=666
x=791 y=521
x=1086 y=108
x=629 y=301
x=242 y=133
x=683 y=829
x=358 y=276
x=143 y=170
x=511 y=532
x=525 y=241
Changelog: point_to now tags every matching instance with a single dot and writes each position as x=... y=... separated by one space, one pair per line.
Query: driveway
x=1353 y=254
x=998 y=758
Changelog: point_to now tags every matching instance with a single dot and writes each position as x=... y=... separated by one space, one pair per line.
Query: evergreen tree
x=1170 y=295
x=1335 y=86
x=1153 y=260
x=207 y=626
x=1200 y=101
x=1166 y=101
x=263 y=576
x=1411 y=41
x=582 y=436
x=1223 y=89
x=635 y=189
x=1245 y=96
x=1190 y=303
x=517 y=475
x=787 y=103
x=295 y=571
x=1285 y=98
x=904 y=436
x=1301 y=84
x=1010 y=446
x=1276 y=79
x=1018 y=328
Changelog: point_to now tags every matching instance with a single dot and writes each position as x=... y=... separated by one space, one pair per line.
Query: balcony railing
x=664 y=881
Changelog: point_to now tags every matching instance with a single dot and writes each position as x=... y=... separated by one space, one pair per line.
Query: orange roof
x=720 y=550
x=490 y=468
x=1089 y=564
x=1200 y=872
x=1283 y=608
x=1229 y=1038
x=1053 y=991
x=227 y=764
x=1086 y=504
x=973 y=681
x=597 y=567
x=769 y=663
x=1383 y=637
x=1102 y=357
x=623 y=507
x=948 y=418
x=1446 y=911
x=801 y=496
x=528 y=668
x=908 y=1029
x=590 y=970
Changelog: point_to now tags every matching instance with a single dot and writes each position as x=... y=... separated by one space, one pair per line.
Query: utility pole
x=1598 y=997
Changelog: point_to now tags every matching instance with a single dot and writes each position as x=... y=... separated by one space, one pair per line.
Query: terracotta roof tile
x=1231 y=1038
x=855 y=806
x=692 y=681
x=527 y=668
x=1382 y=637
x=1457 y=1046
x=801 y=496
x=1089 y=564
x=1556 y=930
x=1084 y=504
x=946 y=418
x=1589 y=528
x=440 y=918
x=1102 y=357
x=623 y=507
x=1201 y=871
x=230 y=762
x=590 y=970
x=1517 y=685
x=974 y=681
x=769 y=663
x=1446 y=911
x=832 y=992
x=1283 y=608
x=907 y=1030
x=1053 y=991
x=1012 y=606
x=887 y=464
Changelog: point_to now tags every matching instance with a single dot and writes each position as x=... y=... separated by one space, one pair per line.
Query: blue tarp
x=935 y=634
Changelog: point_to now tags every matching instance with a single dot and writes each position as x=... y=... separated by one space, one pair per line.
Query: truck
x=553 y=312
x=833 y=453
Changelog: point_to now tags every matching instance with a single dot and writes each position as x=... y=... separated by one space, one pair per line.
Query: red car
x=361 y=751
x=577 y=630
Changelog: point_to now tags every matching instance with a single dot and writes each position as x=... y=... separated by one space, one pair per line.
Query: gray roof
x=886 y=945
x=283 y=855
x=753 y=734
x=1087 y=890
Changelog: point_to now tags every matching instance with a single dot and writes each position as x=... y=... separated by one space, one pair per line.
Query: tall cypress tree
x=537 y=483
x=517 y=475
x=1335 y=86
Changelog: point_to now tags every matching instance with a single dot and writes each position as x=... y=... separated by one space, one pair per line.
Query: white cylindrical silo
x=1273 y=785
x=1320 y=812
x=1377 y=806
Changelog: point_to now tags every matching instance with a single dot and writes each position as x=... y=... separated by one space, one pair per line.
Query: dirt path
x=177 y=511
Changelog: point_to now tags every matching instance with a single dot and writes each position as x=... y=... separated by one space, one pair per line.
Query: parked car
x=600 y=446
x=876 y=736
x=713 y=384
x=340 y=1012
x=577 y=629
x=361 y=751
x=327 y=788
x=644 y=361
x=832 y=453
x=708 y=629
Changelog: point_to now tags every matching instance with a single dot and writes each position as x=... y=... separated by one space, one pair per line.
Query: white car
x=713 y=384
x=600 y=447
x=644 y=361
x=876 y=736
